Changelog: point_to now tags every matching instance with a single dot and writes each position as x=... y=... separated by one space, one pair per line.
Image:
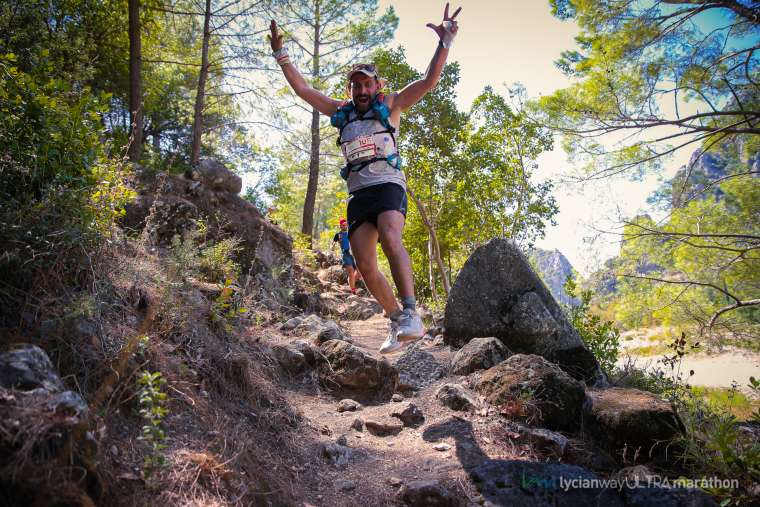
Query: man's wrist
x=448 y=35
x=281 y=55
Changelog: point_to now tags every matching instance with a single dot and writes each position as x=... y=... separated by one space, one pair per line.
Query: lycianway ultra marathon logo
x=653 y=481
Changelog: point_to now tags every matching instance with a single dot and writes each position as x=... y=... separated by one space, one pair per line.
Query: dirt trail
x=379 y=465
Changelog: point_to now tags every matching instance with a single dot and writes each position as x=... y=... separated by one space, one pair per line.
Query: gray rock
x=397 y=398
x=442 y=447
x=411 y=415
x=310 y=324
x=309 y=353
x=533 y=484
x=428 y=494
x=667 y=497
x=215 y=176
x=497 y=294
x=333 y=274
x=345 y=485
x=543 y=440
x=478 y=354
x=289 y=358
x=347 y=367
x=176 y=203
x=291 y=324
x=418 y=369
x=530 y=388
x=358 y=424
x=383 y=428
x=630 y=418
x=338 y=454
x=28 y=368
x=348 y=405
x=457 y=397
x=330 y=331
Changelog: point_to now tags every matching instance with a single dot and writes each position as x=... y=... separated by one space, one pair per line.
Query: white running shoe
x=391 y=343
x=410 y=326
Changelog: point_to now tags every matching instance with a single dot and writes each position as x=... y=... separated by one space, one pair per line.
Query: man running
x=349 y=264
x=377 y=206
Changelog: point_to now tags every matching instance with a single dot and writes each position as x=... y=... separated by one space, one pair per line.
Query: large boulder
x=429 y=493
x=531 y=388
x=533 y=484
x=638 y=421
x=346 y=367
x=28 y=368
x=170 y=205
x=457 y=397
x=542 y=484
x=478 y=354
x=215 y=176
x=44 y=441
x=498 y=294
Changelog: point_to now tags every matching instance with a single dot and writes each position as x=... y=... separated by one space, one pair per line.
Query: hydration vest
x=379 y=112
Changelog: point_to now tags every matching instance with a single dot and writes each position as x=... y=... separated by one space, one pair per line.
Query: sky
x=507 y=41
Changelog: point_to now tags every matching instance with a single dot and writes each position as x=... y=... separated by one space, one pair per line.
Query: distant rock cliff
x=553 y=268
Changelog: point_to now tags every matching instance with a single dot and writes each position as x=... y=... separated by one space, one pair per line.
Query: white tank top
x=377 y=172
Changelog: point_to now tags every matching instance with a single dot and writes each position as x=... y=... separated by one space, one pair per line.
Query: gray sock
x=409 y=303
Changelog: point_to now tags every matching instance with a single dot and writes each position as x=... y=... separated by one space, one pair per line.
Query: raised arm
x=413 y=92
x=315 y=98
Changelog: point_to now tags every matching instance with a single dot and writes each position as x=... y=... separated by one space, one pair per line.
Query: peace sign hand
x=275 y=39
x=449 y=25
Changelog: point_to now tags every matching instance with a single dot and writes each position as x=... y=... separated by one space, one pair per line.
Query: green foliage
x=632 y=58
x=60 y=190
x=754 y=384
x=153 y=410
x=709 y=241
x=471 y=172
x=217 y=260
x=227 y=305
x=601 y=337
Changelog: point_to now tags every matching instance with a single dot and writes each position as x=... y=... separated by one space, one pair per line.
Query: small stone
x=348 y=405
x=358 y=424
x=114 y=450
x=442 y=447
x=411 y=415
x=395 y=481
x=383 y=429
x=342 y=440
x=345 y=485
x=397 y=398
x=391 y=444
x=338 y=454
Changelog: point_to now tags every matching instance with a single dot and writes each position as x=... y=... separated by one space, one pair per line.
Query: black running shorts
x=367 y=203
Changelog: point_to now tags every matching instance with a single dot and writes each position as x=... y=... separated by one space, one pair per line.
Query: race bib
x=360 y=149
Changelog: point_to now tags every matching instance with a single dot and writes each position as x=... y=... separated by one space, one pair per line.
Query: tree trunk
x=431 y=275
x=135 y=83
x=199 y=97
x=434 y=240
x=311 y=188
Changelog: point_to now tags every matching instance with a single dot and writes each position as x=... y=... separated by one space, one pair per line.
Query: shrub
x=59 y=190
x=601 y=337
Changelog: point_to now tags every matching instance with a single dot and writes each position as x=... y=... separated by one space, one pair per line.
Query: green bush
x=601 y=337
x=60 y=192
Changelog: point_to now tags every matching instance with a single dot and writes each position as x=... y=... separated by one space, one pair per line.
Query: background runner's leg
x=351 y=276
x=364 y=247
x=390 y=225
